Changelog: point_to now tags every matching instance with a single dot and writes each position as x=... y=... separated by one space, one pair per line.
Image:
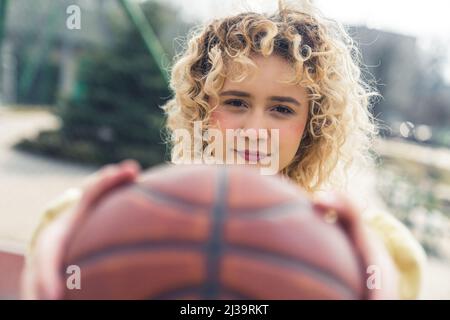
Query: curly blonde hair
x=327 y=62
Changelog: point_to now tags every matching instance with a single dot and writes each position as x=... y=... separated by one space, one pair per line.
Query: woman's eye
x=236 y=103
x=283 y=110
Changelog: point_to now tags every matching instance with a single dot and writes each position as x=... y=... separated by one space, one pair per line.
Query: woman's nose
x=256 y=123
x=254 y=131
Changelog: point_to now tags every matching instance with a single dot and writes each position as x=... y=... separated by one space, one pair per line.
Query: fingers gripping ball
x=206 y=232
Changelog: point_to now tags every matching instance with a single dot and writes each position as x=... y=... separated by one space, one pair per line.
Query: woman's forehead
x=273 y=64
x=270 y=73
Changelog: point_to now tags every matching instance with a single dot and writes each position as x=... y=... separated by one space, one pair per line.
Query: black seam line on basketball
x=170 y=199
x=84 y=262
x=215 y=243
x=255 y=253
x=130 y=248
x=293 y=263
x=177 y=293
x=275 y=209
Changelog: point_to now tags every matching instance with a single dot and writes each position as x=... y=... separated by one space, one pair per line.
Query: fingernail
x=132 y=164
x=330 y=216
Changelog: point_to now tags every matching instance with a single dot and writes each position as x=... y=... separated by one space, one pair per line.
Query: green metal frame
x=3 y=15
x=32 y=68
x=136 y=15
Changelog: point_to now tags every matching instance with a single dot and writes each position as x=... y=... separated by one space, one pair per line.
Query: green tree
x=115 y=112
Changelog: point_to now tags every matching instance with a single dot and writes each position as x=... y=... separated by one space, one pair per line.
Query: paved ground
x=437 y=282
x=28 y=183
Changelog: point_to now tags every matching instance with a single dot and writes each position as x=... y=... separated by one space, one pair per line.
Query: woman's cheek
x=289 y=139
x=292 y=132
x=223 y=120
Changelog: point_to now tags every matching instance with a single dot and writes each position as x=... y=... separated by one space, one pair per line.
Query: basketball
x=211 y=232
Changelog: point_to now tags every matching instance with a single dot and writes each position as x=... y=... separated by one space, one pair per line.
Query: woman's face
x=262 y=101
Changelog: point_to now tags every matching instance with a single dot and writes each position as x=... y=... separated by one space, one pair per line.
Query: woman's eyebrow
x=285 y=99
x=243 y=94
x=236 y=93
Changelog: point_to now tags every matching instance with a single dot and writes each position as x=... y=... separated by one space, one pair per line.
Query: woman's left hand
x=374 y=255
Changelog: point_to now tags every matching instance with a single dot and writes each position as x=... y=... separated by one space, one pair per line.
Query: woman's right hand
x=42 y=277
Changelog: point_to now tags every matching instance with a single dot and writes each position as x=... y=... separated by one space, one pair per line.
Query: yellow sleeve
x=407 y=254
x=53 y=210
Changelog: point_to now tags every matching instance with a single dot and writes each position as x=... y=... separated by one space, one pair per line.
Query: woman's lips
x=251 y=156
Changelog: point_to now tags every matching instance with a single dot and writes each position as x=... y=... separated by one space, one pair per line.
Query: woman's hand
x=42 y=277
x=336 y=206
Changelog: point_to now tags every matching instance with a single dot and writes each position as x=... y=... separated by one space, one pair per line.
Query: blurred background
x=73 y=99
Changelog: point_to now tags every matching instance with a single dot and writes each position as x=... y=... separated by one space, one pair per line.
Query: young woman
x=295 y=73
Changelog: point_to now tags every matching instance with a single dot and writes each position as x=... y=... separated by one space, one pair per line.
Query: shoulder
x=55 y=209
x=407 y=254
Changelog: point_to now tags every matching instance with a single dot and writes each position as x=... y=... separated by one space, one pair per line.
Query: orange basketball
x=207 y=232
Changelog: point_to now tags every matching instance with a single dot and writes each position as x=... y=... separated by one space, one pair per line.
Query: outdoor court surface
x=28 y=183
